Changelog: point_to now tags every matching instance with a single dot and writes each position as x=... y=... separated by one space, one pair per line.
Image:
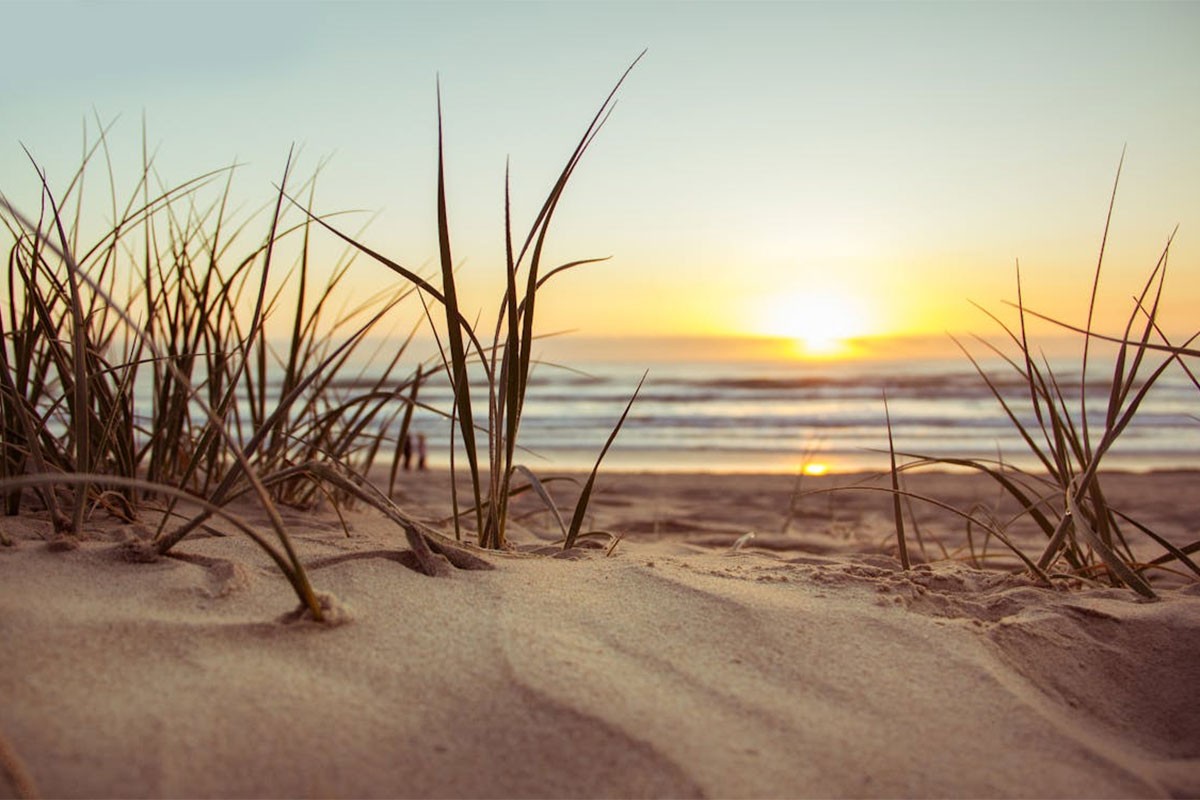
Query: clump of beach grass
x=505 y=359
x=131 y=374
x=1064 y=495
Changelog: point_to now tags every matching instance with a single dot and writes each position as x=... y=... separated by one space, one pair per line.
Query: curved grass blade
x=540 y=490
x=1177 y=553
x=993 y=531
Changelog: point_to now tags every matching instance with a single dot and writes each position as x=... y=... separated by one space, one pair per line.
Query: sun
x=821 y=322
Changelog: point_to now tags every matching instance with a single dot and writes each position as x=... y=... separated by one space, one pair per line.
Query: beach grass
x=505 y=358
x=138 y=374
x=166 y=314
x=160 y=316
x=1086 y=536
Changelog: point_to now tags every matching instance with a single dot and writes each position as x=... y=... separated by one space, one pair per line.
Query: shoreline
x=788 y=463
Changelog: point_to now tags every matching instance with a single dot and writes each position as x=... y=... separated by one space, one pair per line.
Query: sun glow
x=821 y=323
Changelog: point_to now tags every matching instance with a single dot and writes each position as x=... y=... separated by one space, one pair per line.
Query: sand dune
x=806 y=663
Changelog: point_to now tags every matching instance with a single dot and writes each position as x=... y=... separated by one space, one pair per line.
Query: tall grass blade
x=897 y=511
x=1116 y=566
x=1112 y=201
x=585 y=496
x=460 y=380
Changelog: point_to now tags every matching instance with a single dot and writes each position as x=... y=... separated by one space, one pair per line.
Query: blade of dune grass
x=966 y=516
x=1036 y=384
x=539 y=488
x=79 y=389
x=111 y=429
x=1083 y=380
x=1143 y=343
x=371 y=405
x=541 y=227
x=1174 y=553
x=897 y=511
x=1173 y=350
x=520 y=315
x=405 y=424
x=1111 y=560
x=459 y=378
x=310 y=420
x=454 y=504
x=506 y=403
x=1121 y=412
x=256 y=343
x=585 y=496
x=289 y=373
x=1048 y=463
x=356 y=485
x=216 y=330
x=1175 y=354
x=421 y=283
x=1178 y=553
x=1021 y=494
x=200 y=333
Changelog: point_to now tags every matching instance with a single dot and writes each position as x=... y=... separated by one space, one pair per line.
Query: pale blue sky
x=904 y=154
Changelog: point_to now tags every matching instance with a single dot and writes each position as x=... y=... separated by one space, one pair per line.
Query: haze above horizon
x=821 y=172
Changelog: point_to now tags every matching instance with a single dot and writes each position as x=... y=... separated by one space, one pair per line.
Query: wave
x=752 y=414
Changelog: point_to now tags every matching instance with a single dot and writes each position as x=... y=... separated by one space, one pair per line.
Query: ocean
x=786 y=416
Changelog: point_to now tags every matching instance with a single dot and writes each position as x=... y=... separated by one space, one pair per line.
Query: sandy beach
x=801 y=662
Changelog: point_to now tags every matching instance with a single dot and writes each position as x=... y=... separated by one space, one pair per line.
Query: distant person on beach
x=422 y=451
x=408 y=450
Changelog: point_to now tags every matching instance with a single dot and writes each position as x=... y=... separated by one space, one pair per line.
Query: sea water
x=787 y=416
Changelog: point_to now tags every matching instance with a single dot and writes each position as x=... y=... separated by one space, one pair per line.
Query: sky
x=790 y=169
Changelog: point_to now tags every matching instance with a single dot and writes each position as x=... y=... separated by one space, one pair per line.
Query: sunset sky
x=766 y=164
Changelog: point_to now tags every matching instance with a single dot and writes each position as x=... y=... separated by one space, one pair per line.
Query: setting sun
x=820 y=322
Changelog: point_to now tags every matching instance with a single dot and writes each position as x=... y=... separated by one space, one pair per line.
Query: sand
x=803 y=663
